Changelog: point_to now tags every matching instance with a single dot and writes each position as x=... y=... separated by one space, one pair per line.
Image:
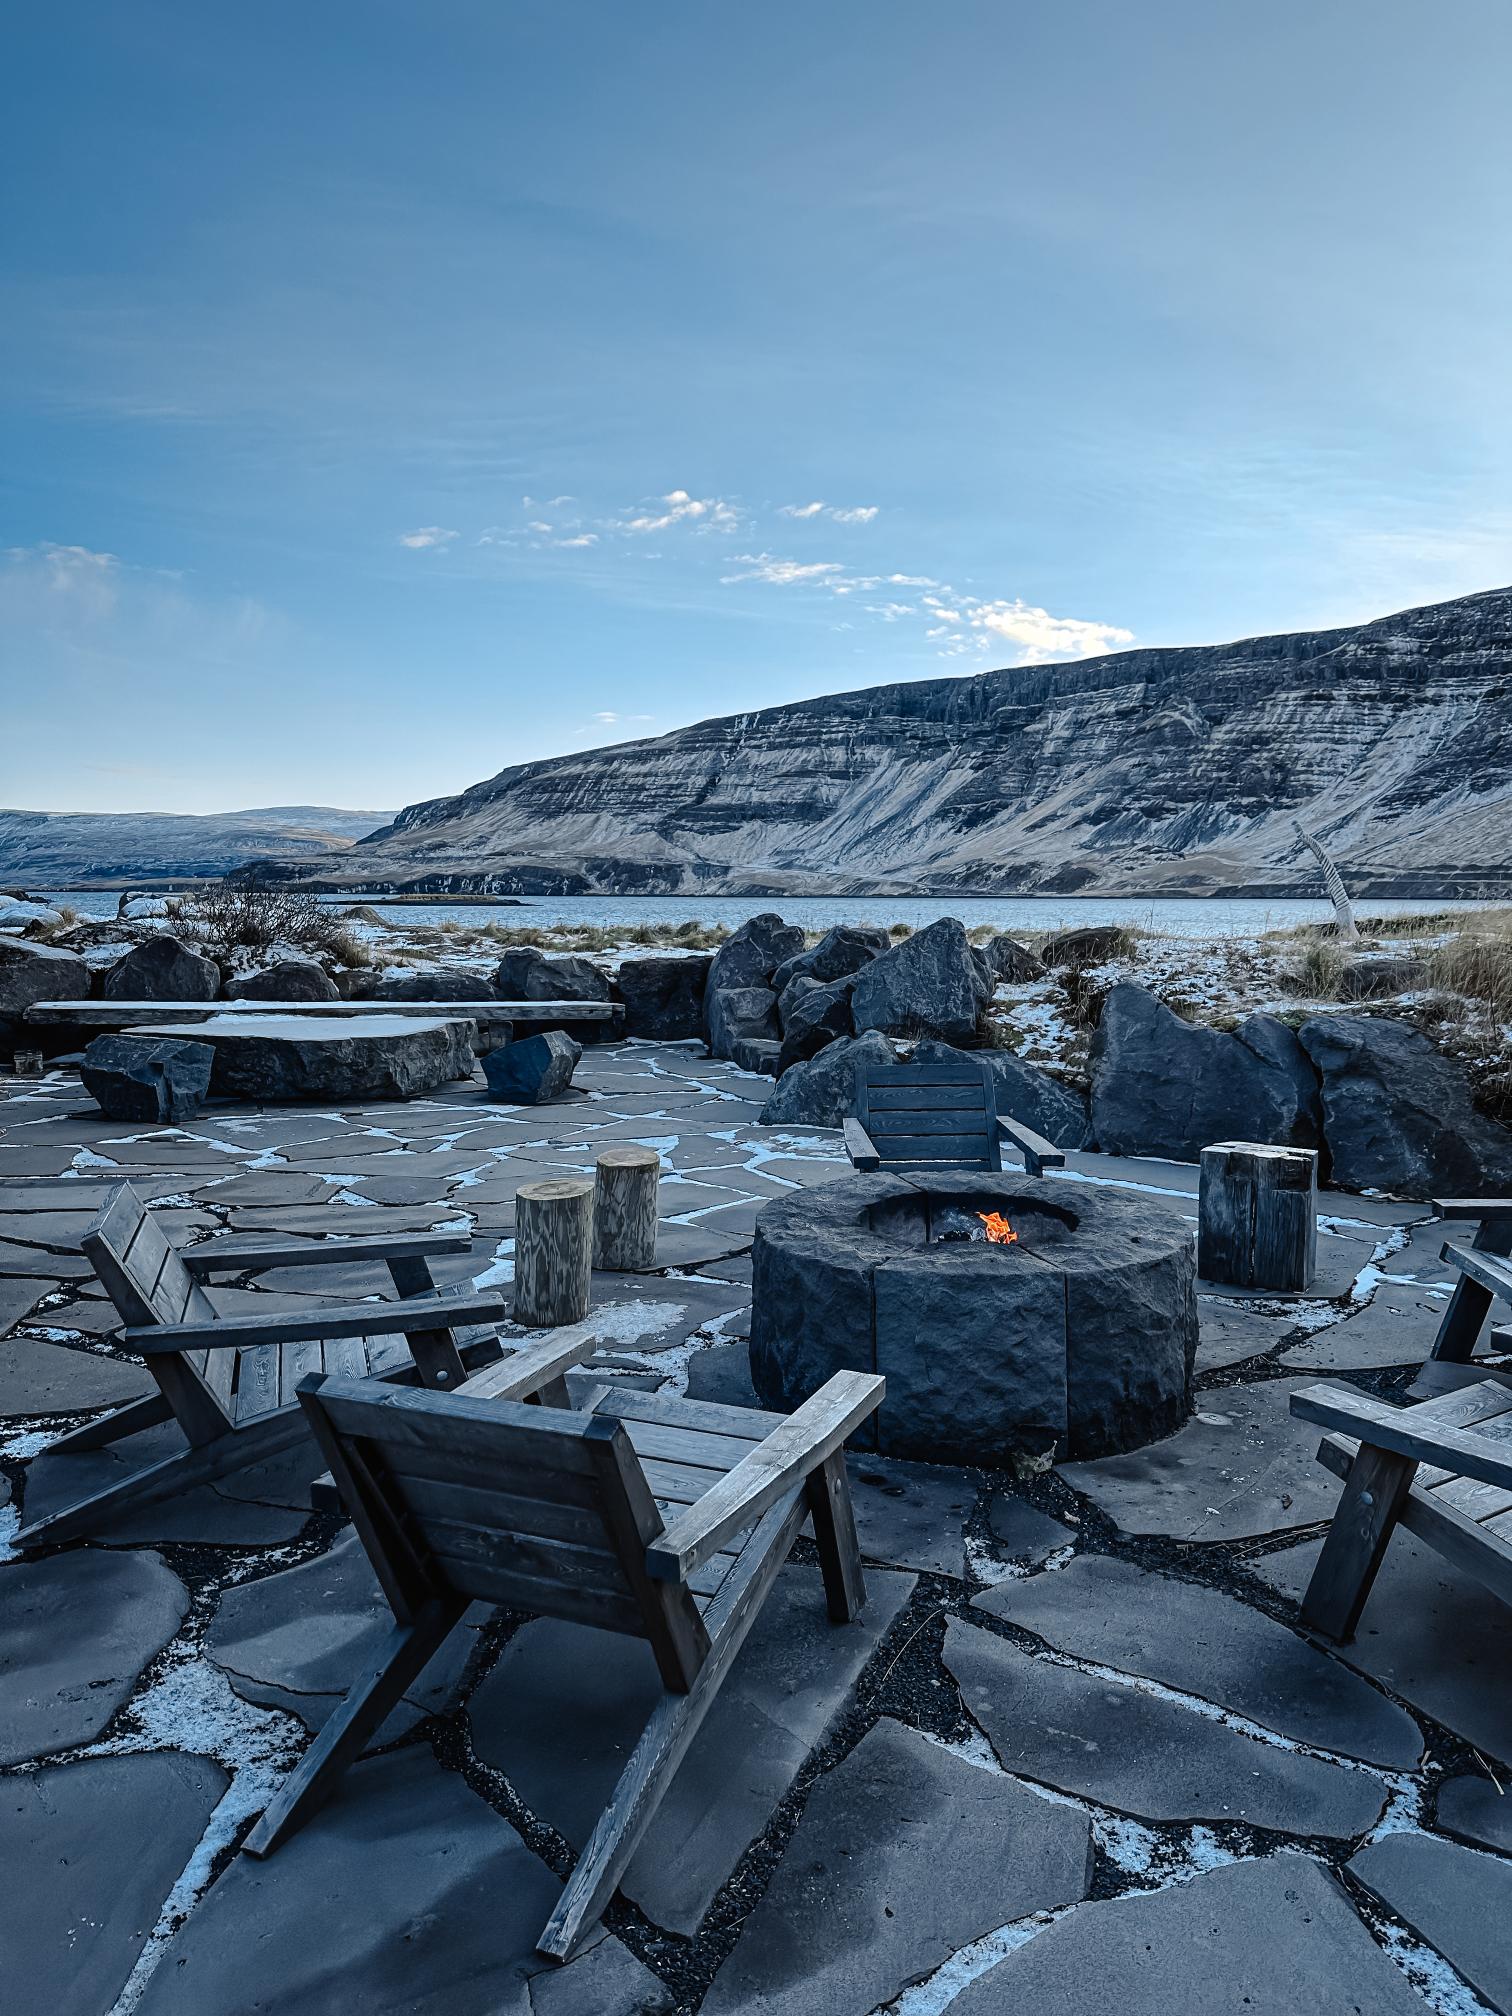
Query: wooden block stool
x=1257 y=1216
x=553 y=1251
x=624 y=1210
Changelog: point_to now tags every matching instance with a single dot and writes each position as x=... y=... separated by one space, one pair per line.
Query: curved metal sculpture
x=1333 y=882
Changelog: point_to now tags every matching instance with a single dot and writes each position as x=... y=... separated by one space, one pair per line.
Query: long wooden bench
x=141 y=1014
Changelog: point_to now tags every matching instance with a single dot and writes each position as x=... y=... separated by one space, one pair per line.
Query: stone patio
x=1074 y=1757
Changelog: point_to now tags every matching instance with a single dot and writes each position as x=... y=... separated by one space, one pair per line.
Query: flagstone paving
x=1074 y=1756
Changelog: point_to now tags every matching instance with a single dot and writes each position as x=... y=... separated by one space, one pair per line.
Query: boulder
x=819 y=1016
x=1010 y=961
x=822 y=1092
x=289 y=980
x=664 y=997
x=738 y=1012
x=750 y=956
x=1087 y=946
x=152 y=1078
x=136 y=909
x=532 y=1071
x=31 y=973
x=757 y=1054
x=1161 y=1086
x=524 y=974
x=435 y=983
x=16 y=912
x=162 y=969
x=1397 y=1113
x=927 y=986
x=845 y=948
x=789 y=996
x=1024 y=1094
x=1375 y=974
x=273 y=1058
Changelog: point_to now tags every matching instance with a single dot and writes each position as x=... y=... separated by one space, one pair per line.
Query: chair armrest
x=524 y=1372
x=1481 y=1208
x=785 y=1458
x=204 y=1263
x=346 y=1319
x=1038 y=1153
x=1406 y=1431
x=1489 y=1270
x=859 y=1146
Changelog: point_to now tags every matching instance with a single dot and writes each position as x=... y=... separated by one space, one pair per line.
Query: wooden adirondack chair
x=459 y=1498
x=1441 y=1468
x=229 y=1381
x=936 y=1116
x=1485 y=1273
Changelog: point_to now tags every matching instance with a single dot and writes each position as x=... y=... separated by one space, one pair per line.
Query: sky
x=395 y=390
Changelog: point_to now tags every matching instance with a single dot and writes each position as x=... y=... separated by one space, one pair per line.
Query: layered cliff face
x=1180 y=770
x=66 y=849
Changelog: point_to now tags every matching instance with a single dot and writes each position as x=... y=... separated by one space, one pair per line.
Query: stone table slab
x=90 y=1852
x=904 y=1854
x=1241 y=1467
x=41 y=1378
x=1142 y=1754
x=1457 y=1899
x=406 y=1893
x=1201 y=1642
x=1476 y=1810
x=298 y=1639
x=1435 y=1637
x=563 y=1708
x=1271 y=1938
x=76 y=1631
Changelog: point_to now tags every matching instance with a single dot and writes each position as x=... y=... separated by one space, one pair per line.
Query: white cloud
x=427 y=538
x=705 y=514
x=539 y=525
x=853 y=514
x=610 y=719
x=578 y=539
x=1042 y=637
x=857 y=514
x=783 y=573
x=799 y=510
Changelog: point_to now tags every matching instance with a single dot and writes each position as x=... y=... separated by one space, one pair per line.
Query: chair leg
x=829 y=1504
x=343 y=1739
x=1356 y=1541
x=108 y=1428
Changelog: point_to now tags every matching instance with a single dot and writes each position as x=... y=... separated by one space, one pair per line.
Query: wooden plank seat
x=937 y=1116
x=663 y=1519
x=230 y=1381
x=1442 y=1468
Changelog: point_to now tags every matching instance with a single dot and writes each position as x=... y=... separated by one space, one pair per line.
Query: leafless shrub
x=224 y=921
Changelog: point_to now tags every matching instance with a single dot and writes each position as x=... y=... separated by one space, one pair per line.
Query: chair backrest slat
x=930 y=1115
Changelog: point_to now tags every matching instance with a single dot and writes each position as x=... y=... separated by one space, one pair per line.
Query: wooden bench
x=1484 y=1274
x=663 y=1519
x=1442 y=1468
x=937 y=1116
x=144 y=1014
x=229 y=1381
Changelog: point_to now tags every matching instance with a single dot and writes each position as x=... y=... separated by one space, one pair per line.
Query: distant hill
x=51 y=850
x=1174 y=771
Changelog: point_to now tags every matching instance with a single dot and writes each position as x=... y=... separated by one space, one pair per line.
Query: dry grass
x=1477 y=963
x=1317 y=971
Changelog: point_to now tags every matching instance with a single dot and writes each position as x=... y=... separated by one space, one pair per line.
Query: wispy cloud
x=799 y=510
x=783 y=573
x=1041 y=637
x=677 y=507
x=847 y=514
x=427 y=538
x=609 y=719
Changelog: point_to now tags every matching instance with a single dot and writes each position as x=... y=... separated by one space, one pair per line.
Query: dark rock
x=1456 y=1899
x=1023 y=1093
x=904 y=1855
x=790 y=994
x=1090 y=945
x=821 y=1015
x=524 y=974
x=759 y=1055
x=288 y=980
x=153 y=1078
x=31 y=973
x=1397 y=1113
x=1374 y=974
x=562 y=1709
x=437 y=983
x=279 y=1057
x=664 y=997
x=927 y=986
x=1198 y=1641
x=1258 y=1938
x=843 y=949
x=1161 y=1086
x=91 y=1851
x=722 y=1372
x=1011 y=962
x=407 y=1893
x=1144 y=1754
x=750 y=956
x=76 y=1630
x=737 y=1012
x=532 y=1070
x=161 y=969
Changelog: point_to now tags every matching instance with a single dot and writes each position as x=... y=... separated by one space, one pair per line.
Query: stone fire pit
x=1079 y=1337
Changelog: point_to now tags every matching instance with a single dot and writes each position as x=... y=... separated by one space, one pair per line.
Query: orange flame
x=999 y=1231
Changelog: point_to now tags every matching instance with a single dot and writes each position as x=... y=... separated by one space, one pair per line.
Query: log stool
x=553 y=1251
x=1257 y=1215
x=624 y=1210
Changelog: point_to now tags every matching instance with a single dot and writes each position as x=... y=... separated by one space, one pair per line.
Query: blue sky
x=393 y=392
